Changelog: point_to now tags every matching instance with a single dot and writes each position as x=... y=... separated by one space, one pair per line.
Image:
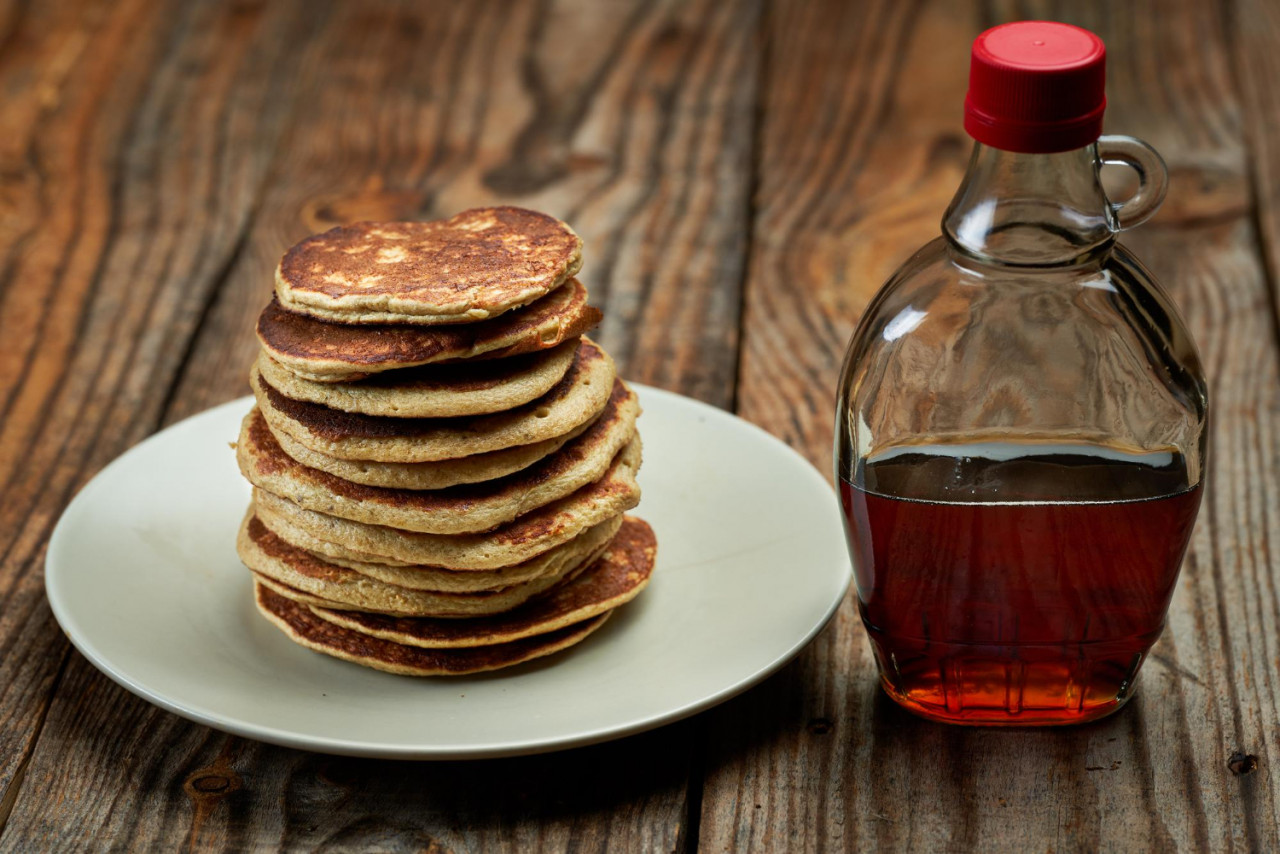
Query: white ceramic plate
x=143 y=576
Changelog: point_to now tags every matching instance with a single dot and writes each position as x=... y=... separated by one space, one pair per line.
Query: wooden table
x=745 y=175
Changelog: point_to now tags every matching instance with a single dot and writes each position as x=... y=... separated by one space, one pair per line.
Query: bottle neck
x=1031 y=209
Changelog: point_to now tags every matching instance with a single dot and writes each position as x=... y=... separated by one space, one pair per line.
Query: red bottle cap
x=1036 y=87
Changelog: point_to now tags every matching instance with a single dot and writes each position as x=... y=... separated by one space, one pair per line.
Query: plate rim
x=403 y=751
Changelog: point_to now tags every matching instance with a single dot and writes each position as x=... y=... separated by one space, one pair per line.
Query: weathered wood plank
x=639 y=137
x=858 y=167
x=112 y=234
x=630 y=120
x=1255 y=29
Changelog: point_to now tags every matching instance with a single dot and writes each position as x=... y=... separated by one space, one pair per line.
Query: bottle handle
x=1153 y=178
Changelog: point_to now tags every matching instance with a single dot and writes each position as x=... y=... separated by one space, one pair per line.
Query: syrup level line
x=1005 y=451
x=1033 y=503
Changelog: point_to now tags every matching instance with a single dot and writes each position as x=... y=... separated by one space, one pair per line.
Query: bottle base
x=1009 y=684
x=988 y=718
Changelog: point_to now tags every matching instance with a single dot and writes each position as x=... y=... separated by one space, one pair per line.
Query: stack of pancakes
x=441 y=460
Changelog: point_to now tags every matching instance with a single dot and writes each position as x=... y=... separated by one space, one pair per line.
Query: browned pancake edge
x=614 y=579
x=302 y=626
x=336 y=425
x=303 y=341
x=269 y=458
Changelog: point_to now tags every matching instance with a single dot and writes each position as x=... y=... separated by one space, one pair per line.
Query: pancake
x=616 y=577
x=576 y=399
x=455 y=581
x=334 y=352
x=440 y=474
x=459 y=510
x=303 y=627
x=472 y=266
x=426 y=576
x=527 y=537
x=433 y=391
x=305 y=577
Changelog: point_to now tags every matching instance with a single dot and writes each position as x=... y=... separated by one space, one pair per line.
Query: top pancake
x=473 y=266
x=336 y=352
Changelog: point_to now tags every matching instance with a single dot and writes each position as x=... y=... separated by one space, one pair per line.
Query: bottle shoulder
x=941 y=283
x=949 y=345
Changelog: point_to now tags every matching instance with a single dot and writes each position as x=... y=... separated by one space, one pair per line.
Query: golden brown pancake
x=616 y=577
x=433 y=391
x=438 y=578
x=335 y=352
x=438 y=474
x=530 y=535
x=460 y=510
x=454 y=581
x=577 y=398
x=303 y=627
x=472 y=266
x=318 y=582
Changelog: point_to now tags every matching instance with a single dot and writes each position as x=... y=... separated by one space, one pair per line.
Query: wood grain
x=640 y=135
x=1255 y=28
x=158 y=157
x=819 y=759
x=112 y=235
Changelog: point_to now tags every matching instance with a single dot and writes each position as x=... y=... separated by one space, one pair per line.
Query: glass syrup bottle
x=1021 y=426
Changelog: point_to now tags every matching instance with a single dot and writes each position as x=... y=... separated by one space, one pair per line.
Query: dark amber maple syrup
x=1016 y=584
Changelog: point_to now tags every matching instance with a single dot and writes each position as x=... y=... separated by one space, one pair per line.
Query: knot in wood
x=1242 y=763
x=372 y=203
x=819 y=726
x=211 y=783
